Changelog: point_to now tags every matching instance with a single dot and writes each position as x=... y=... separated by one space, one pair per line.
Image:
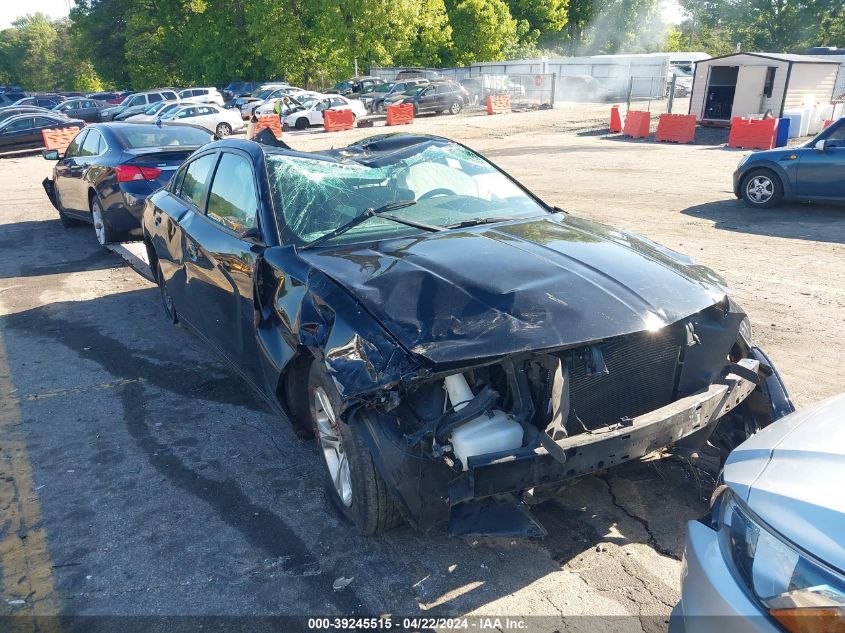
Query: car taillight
x=127 y=173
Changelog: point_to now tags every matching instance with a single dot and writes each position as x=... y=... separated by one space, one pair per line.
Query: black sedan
x=109 y=170
x=85 y=109
x=23 y=130
x=11 y=111
x=451 y=340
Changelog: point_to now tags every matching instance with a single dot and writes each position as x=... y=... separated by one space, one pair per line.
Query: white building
x=743 y=84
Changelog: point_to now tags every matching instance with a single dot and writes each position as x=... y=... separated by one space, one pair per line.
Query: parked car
x=263 y=89
x=812 y=172
x=249 y=104
x=202 y=95
x=440 y=96
x=6 y=113
x=43 y=101
x=111 y=98
x=23 y=131
x=9 y=98
x=311 y=110
x=582 y=88
x=352 y=288
x=108 y=171
x=139 y=101
x=418 y=73
x=356 y=85
x=237 y=88
x=770 y=556
x=295 y=100
x=374 y=101
x=156 y=111
x=85 y=109
x=217 y=120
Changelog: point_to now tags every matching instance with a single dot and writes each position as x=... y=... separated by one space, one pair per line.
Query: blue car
x=814 y=171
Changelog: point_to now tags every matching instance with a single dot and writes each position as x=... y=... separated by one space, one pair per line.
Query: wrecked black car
x=457 y=346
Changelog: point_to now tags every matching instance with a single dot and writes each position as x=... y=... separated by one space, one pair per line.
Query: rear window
x=153 y=136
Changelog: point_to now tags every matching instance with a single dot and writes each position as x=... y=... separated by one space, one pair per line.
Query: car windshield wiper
x=370 y=213
x=476 y=222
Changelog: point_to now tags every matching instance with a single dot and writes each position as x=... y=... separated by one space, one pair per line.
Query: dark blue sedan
x=814 y=171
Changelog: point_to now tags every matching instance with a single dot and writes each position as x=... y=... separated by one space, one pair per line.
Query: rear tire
x=223 y=130
x=101 y=225
x=353 y=481
x=761 y=189
x=456 y=107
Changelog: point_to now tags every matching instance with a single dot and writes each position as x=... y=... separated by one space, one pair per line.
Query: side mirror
x=252 y=234
x=820 y=145
x=51 y=154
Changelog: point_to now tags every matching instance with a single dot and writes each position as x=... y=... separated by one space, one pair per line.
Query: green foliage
x=481 y=30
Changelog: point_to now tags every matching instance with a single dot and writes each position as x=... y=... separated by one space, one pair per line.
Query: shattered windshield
x=449 y=183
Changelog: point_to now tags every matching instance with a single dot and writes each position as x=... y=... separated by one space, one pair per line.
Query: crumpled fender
x=300 y=306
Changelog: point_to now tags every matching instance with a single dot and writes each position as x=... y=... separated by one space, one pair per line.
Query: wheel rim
x=455 y=108
x=223 y=130
x=99 y=227
x=328 y=430
x=760 y=189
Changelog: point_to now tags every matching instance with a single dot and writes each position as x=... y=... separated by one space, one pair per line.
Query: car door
x=821 y=174
x=74 y=192
x=206 y=117
x=315 y=115
x=18 y=133
x=63 y=175
x=222 y=270
x=427 y=99
x=174 y=221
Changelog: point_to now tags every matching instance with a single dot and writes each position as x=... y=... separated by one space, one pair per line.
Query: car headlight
x=802 y=594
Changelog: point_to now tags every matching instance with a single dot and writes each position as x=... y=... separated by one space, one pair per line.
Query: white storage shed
x=743 y=84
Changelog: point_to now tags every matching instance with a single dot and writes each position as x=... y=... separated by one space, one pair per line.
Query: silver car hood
x=791 y=474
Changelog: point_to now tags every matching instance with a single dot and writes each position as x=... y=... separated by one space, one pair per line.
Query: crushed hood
x=490 y=291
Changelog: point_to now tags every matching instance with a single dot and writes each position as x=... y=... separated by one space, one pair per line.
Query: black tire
x=761 y=189
x=223 y=129
x=416 y=110
x=301 y=123
x=166 y=299
x=372 y=508
x=102 y=230
x=456 y=107
x=380 y=108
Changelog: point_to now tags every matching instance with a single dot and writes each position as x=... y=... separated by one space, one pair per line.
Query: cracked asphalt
x=140 y=476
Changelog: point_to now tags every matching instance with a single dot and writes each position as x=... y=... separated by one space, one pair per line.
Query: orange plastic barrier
x=59 y=138
x=637 y=124
x=271 y=122
x=337 y=120
x=615 y=120
x=827 y=122
x=498 y=104
x=753 y=133
x=676 y=128
x=400 y=114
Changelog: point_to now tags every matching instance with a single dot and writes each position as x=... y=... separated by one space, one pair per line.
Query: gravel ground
x=139 y=476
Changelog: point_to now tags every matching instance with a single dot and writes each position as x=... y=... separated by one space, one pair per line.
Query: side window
x=204 y=110
x=187 y=113
x=837 y=137
x=155 y=97
x=338 y=103
x=19 y=125
x=176 y=183
x=196 y=176
x=169 y=96
x=232 y=201
x=42 y=121
x=75 y=145
x=90 y=147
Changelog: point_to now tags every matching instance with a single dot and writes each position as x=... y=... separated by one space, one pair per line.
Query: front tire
x=762 y=189
x=353 y=481
x=223 y=130
x=301 y=123
x=456 y=107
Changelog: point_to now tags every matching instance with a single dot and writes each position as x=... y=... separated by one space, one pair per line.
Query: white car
x=267 y=108
x=312 y=110
x=263 y=97
x=770 y=557
x=259 y=94
x=156 y=111
x=212 y=117
x=202 y=95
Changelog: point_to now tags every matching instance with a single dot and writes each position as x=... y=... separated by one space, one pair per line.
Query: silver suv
x=139 y=101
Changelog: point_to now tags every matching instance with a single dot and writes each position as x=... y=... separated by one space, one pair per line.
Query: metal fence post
x=630 y=90
x=671 y=93
x=552 y=99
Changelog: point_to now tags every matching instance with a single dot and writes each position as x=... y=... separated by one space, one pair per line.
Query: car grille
x=641 y=377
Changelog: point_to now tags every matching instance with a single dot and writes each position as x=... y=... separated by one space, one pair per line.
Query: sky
x=11 y=9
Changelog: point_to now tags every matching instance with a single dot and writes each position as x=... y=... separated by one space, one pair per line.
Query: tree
x=482 y=30
x=544 y=19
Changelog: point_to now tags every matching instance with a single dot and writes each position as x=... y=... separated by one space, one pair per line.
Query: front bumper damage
x=485 y=499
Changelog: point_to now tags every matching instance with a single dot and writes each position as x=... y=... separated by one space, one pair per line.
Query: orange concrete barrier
x=337 y=120
x=268 y=122
x=615 y=120
x=59 y=138
x=498 y=104
x=400 y=114
x=637 y=124
x=753 y=133
x=676 y=128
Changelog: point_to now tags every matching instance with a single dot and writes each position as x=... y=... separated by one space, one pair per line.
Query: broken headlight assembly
x=800 y=593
